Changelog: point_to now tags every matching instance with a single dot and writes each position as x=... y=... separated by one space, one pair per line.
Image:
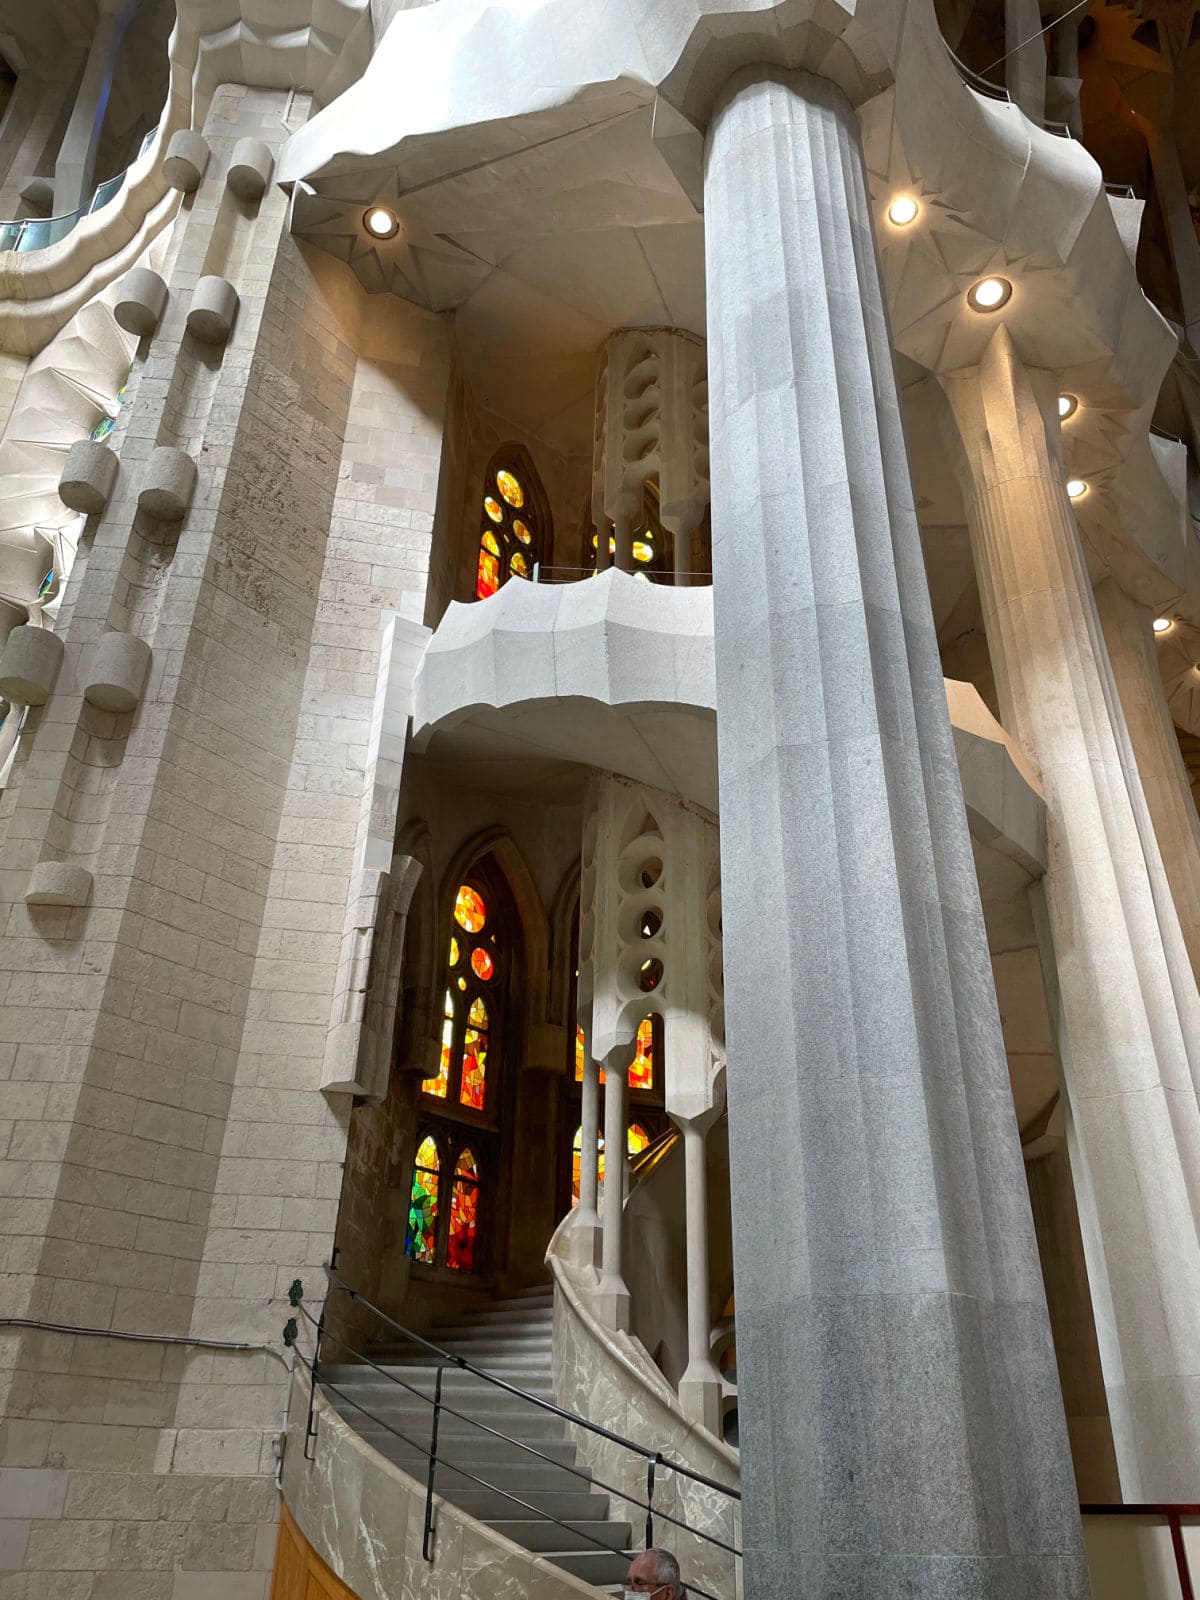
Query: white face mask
x=639 y=1594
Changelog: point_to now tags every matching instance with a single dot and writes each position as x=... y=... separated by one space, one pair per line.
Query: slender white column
x=586 y=1232
x=611 y=1304
x=1171 y=188
x=623 y=530
x=700 y=1385
x=1130 y=1015
x=1025 y=69
x=1134 y=657
x=896 y=1373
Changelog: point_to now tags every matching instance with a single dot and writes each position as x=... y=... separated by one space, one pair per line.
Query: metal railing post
x=310 y=1427
x=427 y=1540
x=650 y=1468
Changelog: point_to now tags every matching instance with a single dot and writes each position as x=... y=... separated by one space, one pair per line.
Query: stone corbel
x=362 y=1022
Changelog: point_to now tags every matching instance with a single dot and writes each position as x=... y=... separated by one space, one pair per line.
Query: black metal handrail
x=654 y=1459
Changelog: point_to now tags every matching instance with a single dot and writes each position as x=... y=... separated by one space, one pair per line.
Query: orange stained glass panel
x=580 y=1043
x=522 y=532
x=510 y=489
x=469 y=910
x=519 y=564
x=487 y=578
x=478 y=1014
x=576 y=1164
x=641 y=1072
x=642 y=551
x=482 y=964
x=489 y=542
x=638 y=1139
x=493 y=508
x=474 y=1070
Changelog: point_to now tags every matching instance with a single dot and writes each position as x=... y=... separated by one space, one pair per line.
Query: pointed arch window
x=421 y=1240
x=470 y=1003
x=464 y=1214
x=512 y=524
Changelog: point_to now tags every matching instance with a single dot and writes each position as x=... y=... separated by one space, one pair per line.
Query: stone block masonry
x=169 y=1162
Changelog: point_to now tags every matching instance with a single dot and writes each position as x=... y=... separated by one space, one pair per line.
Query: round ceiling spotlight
x=903 y=210
x=1068 y=405
x=1076 y=488
x=381 y=223
x=1161 y=624
x=989 y=294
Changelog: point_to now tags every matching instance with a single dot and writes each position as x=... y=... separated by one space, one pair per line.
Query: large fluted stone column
x=1129 y=1012
x=901 y=1422
x=1129 y=639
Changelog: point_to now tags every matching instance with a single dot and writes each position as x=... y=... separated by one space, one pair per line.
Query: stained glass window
x=641 y=1071
x=469 y=910
x=653 y=555
x=421 y=1240
x=576 y=1164
x=639 y=1139
x=464 y=1214
x=509 y=544
x=440 y=1086
x=473 y=963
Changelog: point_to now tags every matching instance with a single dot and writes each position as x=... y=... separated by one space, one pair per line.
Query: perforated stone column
x=1131 y=650
x=1130 y=1017
x=895 y=1367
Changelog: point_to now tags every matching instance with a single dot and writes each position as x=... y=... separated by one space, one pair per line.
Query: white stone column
x=585 y=1234
x=1130 y=1016
x=1025 y=69
x=700 y=1385
x=612 y=1303
x=1133 y=654
x=896 y=1371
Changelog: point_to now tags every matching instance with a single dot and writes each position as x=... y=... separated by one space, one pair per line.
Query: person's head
x=654 y=1572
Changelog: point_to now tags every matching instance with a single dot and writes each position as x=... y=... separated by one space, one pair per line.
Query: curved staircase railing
x=656 y=1462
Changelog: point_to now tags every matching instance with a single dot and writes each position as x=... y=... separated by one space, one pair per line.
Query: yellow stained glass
x=612 y=543
x=469 y=910
x=638 y=1139
x=493 y=508
x=579 y=1048
x=462 y=984
x=522 y=532
x=440 y=1086
x=489 y=542
x=642 y=551
x=478 y=1016
x=641 y=1073
x=454 y=952
x=510 y=489
x=519 y=564
x=474 y=1070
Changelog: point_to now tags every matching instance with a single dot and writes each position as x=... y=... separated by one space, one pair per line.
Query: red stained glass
x=482 y=964
x=421 y=1239
x=464 y=1215
x=576 y=1164
x=487 y=578
x=641 y=1073
x=474 y=1069
x=469 y=910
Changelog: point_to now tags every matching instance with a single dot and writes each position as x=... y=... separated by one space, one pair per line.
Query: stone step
x=568 y=1505
x=524 y=1424
x=489 y=1325
x=541 y=1536
x=473 y=1347
x=474 y=1451
x=593 y=1566
x=520 y=1479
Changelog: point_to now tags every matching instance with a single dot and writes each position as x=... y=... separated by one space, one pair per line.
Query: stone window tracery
x=472 y=993
x=511 y=534
x=437 y=1236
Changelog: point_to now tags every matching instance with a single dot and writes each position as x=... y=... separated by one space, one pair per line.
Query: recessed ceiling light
x=989 y=294
x=1161 y=624
x=1068 y=405
x=381 y=223
x=1076 y=488
x=903 y=210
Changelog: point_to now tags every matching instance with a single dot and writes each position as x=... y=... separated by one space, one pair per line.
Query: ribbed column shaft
x=901 y=1421
x=1129 y=640
x=1130 y=1016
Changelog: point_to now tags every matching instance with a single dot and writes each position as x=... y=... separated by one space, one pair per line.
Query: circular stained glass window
x=642 y=551
x=510 y=489
x=493 y=508
x=482 y=964
x=469 y=910
x=522 y=532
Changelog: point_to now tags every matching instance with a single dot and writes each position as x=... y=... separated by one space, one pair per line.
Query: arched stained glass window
x=464 y=1214
x=511 y=536
x=472 y=992
x=421 y=1240
x=653 y=554
x=641 y=1070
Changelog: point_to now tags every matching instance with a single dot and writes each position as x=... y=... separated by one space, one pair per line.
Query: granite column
x=901 y=1422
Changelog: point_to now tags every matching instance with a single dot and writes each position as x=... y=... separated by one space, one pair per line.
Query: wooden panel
x=300 y=1574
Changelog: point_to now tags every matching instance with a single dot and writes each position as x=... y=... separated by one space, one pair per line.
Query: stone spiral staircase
x=512 y=1340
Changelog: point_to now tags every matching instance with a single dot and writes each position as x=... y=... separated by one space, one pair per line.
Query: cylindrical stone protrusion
x=249 y=169
x=185 y=160
x=120 y=664
x=141 y=301
x=58 y=883
x=213 y=308
x=30 y=664
x=168 y=485
x=88 y=475
x=11 y=616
